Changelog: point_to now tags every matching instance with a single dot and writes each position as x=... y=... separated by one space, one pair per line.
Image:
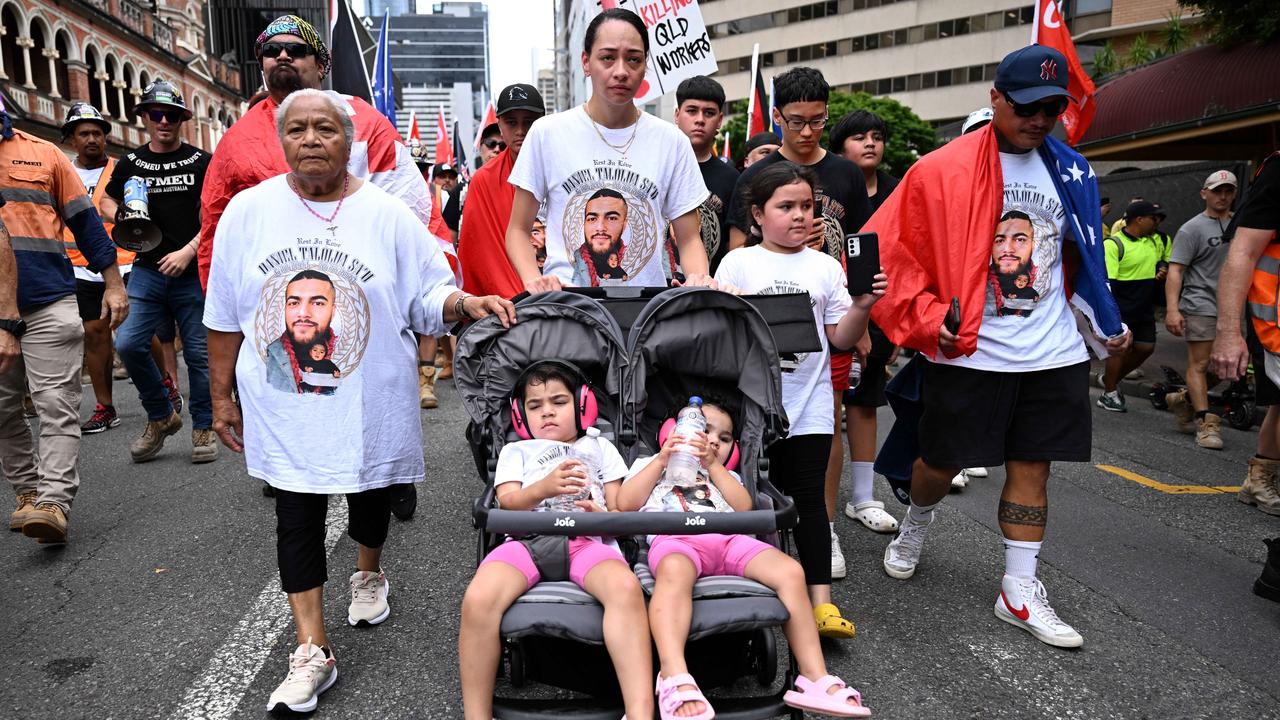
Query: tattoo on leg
x=1016 y=514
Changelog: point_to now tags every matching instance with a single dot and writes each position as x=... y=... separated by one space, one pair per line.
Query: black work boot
x=1268 y=583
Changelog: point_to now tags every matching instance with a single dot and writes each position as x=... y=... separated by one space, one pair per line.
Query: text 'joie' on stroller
x=680 y=342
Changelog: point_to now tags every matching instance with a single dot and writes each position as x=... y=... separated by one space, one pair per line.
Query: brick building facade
x=56 y=52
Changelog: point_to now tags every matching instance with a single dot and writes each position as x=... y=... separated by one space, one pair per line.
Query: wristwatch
x=14 y=327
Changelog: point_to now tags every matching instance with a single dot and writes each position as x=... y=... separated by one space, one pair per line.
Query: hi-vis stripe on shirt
x=41 y=191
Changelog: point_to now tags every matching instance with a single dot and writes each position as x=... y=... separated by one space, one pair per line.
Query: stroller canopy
x=550 y=326
x=696 y=341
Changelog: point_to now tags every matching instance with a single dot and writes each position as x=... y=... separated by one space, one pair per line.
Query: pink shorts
x=712 y=554
x=584 y=554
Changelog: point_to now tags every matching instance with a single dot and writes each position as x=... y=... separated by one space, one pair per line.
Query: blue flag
x=384 y=94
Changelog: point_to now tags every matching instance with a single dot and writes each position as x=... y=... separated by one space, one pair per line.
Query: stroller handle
x=619 y=524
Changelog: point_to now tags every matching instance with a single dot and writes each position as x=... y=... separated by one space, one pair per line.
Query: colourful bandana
x=294 y=25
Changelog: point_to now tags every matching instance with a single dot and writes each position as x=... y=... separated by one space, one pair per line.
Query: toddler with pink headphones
x=551 y=407
x=677 y=561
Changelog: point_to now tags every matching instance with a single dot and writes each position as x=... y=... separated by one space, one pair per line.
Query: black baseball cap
x=1033 y=73
x=1143 y=208
x=520 y=97
x=762 y=138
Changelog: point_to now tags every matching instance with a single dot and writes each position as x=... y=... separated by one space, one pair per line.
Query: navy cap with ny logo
x=1033 y=73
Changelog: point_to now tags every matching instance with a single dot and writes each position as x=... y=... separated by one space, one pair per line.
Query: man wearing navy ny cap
x=1017 y=395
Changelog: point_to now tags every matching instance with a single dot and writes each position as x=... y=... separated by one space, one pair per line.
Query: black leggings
x=300 y=529
x=798 y=467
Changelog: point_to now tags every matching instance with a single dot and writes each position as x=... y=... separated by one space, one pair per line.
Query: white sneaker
x=837 y=558
x=960 y=481
x=872 y=515
x=310 y=674
x=368 y=598
x=903 y=553
x=1023 y=603
x=978 y=472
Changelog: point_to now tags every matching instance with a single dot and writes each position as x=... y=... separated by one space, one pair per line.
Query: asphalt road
x=165 y=604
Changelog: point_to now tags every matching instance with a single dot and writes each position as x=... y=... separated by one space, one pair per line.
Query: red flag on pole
x=1050 y=30
x=490 y=118
x=726 y=154
x=758 y=119
x=444 y=146
x=415 y=138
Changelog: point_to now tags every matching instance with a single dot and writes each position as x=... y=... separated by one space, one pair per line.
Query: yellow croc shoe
x=831 y=624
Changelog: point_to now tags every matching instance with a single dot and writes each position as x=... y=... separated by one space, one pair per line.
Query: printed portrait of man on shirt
x=301 y=359
x=1013 y=269
x=604 y=220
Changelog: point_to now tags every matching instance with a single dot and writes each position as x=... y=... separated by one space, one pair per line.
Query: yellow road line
x=1165 y=488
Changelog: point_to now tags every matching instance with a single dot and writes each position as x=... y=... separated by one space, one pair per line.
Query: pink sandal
x=815 y=697
x=671 y=698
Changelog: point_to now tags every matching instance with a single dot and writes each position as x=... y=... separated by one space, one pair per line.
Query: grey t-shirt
x=1198 y=245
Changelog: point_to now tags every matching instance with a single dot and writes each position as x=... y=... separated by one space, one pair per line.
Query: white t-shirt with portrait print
x=529 y=461
x=606 y=212
x=327 y=370
x=1027 y=322
x=806 y=377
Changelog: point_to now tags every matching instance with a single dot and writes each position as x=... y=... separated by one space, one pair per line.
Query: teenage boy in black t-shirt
x=860 y=137
x=800 y=98
x=164 y=283
x=699 y=112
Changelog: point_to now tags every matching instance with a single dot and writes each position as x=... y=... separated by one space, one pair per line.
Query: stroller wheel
x=515 y=659
x=1240 y=415
x=764 y=656
x=404 y=500
x=1158 y=391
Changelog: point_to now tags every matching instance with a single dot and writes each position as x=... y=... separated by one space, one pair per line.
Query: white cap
x=977 y=119
x=1221 y=177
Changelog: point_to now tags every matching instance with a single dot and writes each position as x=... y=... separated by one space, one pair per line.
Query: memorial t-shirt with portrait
x=607 y=210
x=1027 y=323
x=327 y=372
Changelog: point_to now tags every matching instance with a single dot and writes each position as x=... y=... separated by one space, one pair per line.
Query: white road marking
x=218 y=690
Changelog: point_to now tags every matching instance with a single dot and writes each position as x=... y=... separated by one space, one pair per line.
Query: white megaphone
x=134 y=231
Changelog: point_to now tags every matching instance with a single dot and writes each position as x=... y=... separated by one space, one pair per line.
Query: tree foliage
x=1105 y=61
x=1140 y=52
x=909 y=136
x=1236 y=21
x=1176 y=35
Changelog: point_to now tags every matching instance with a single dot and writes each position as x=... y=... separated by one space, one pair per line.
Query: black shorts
x=870 y=389
x=89 y=298
x=1265 y=391
x=980 y=418
x=300 y=529
x=1133 y=297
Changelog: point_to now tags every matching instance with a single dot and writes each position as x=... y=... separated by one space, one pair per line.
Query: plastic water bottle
x=855 y=374
x=586 y=451
x=682 y=468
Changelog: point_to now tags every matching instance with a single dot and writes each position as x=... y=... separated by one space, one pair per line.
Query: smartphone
x=862 y=261
x=952 y=322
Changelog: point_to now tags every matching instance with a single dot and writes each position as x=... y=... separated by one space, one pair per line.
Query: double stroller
x=680 y=342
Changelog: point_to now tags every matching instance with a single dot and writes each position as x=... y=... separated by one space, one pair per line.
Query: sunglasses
x=1050 y=108
x=494 y=144
x=295 y=49
x=173 y=116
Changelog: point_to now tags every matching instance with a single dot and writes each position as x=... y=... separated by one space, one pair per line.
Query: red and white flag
x=444 y=146
x=1051 y=31
x=725 y=153
x=490 y=118
x=415 y=138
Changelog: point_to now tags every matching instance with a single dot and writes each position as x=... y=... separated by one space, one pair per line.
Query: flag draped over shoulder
x=482 y=244
x=935 y=234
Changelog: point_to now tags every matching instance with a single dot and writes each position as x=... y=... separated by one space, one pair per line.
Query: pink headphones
x=669 y=427
x=585 y=408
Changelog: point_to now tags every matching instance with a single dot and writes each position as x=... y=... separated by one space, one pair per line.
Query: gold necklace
x=620 y=149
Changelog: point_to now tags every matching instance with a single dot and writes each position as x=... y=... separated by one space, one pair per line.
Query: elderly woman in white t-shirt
x=611 y=177
x=318 y=283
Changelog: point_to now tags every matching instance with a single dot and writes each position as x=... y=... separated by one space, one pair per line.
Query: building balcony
x=37 y=107
x=135 y=16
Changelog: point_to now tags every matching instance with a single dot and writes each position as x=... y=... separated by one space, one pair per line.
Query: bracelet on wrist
x=459 y=306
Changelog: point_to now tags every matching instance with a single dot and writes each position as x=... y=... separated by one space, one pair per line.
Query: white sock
x=863 y=476
x=920 y=514
x=1020 y=558
x=832 y=525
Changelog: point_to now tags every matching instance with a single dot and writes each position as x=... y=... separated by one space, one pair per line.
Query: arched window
x=10 y=53
x=65 y=45
x=93 y=58
x=40 y=34
x=130 y=79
